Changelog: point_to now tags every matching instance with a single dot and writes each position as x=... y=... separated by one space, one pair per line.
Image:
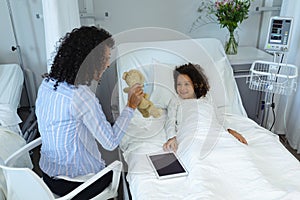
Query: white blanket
x=9 y=118
x=220 y=167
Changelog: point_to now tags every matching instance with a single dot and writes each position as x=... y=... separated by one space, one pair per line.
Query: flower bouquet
x=229 y=14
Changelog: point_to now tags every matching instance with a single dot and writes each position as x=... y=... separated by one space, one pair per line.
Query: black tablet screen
x=166 y=164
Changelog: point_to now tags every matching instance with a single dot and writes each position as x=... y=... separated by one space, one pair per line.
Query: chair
x=9 y=143
x=23 y=183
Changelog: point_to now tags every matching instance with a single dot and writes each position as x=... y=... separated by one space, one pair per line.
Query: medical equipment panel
x=279 y=34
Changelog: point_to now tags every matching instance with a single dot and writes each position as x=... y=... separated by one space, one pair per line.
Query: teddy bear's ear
x=124 y=75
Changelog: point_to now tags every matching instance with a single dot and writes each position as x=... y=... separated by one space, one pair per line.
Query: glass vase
x=231 y=45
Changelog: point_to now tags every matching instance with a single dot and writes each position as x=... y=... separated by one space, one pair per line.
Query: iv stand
x=268 y=101
x=17 y=47
x=29 y=128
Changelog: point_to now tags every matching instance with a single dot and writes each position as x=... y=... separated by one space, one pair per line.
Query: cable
x=273 y=111
x=284 y=114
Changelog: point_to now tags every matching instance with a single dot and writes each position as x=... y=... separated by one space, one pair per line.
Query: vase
x=231 y=44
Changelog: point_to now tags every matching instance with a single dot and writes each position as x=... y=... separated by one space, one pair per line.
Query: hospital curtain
x=287 y=116
x=60 y=17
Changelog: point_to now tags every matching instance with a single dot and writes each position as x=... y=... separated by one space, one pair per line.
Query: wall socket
x=106 y=15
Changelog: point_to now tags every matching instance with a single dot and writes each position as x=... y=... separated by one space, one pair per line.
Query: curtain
x=287 y=115
x=60 y=17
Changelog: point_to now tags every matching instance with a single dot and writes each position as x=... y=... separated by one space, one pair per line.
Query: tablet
x=167 y=165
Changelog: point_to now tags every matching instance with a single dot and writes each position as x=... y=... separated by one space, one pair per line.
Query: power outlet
x=106 y=15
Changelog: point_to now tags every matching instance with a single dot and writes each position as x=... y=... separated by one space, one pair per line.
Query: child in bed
x=190 y=83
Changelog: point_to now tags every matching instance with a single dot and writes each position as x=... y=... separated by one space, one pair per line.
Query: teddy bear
x=146 y=107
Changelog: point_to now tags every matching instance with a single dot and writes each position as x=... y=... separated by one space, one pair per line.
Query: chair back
x=23 y=183
x=112 y=190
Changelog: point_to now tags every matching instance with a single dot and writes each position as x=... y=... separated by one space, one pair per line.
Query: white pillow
x=164 y=88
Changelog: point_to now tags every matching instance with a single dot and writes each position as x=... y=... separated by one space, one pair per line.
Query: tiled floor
x=285 y=142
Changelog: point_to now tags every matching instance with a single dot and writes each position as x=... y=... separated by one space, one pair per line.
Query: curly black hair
x=196 y=74
x=80 y=53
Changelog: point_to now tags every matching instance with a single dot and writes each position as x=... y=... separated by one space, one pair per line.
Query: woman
x=190 y=83
x=70 y=118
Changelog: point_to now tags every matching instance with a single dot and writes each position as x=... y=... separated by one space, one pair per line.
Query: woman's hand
x=171 y=144
x=135 y=96
x=237 y=136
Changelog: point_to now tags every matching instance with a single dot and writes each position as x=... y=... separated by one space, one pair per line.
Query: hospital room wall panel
x=179 y=16
x=6 y=33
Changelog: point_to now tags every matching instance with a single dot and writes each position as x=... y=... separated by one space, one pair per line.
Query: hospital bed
x=11 y=137
x=11 y=84
x=219 y=166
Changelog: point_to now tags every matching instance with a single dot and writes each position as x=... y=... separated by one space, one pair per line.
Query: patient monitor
x=279 y=34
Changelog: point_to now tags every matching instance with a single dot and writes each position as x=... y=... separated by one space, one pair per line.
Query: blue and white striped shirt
x=69 y=121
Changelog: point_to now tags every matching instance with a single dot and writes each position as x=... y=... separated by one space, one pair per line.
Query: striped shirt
x=69 y=120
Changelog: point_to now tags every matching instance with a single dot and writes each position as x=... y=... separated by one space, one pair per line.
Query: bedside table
x=247 y=55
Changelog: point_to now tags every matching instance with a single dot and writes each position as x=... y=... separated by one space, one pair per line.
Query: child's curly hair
x=80 y=53
x=196 y=74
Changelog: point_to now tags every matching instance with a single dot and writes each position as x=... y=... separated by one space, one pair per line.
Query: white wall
x=174 y=14
x=7 y=40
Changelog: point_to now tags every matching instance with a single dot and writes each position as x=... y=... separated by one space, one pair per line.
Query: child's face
x=185 y=87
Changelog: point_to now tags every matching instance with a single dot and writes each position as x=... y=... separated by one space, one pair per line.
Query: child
x=190 y=83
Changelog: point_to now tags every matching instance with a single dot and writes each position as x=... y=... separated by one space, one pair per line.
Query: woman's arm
x=86 y=108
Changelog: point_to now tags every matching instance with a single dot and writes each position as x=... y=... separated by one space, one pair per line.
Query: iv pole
x=29 y=129
x=17 y=47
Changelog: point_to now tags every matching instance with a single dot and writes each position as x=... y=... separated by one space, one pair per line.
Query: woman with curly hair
x=190 y=83
x=70 y=119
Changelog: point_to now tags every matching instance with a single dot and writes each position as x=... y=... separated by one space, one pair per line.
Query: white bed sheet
x=226 y=170
x=219 y=166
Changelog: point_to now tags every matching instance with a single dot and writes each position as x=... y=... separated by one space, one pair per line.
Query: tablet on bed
x=167 y=165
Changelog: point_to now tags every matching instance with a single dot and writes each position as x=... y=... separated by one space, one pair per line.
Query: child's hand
x=171 y=144
x=238 y=136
